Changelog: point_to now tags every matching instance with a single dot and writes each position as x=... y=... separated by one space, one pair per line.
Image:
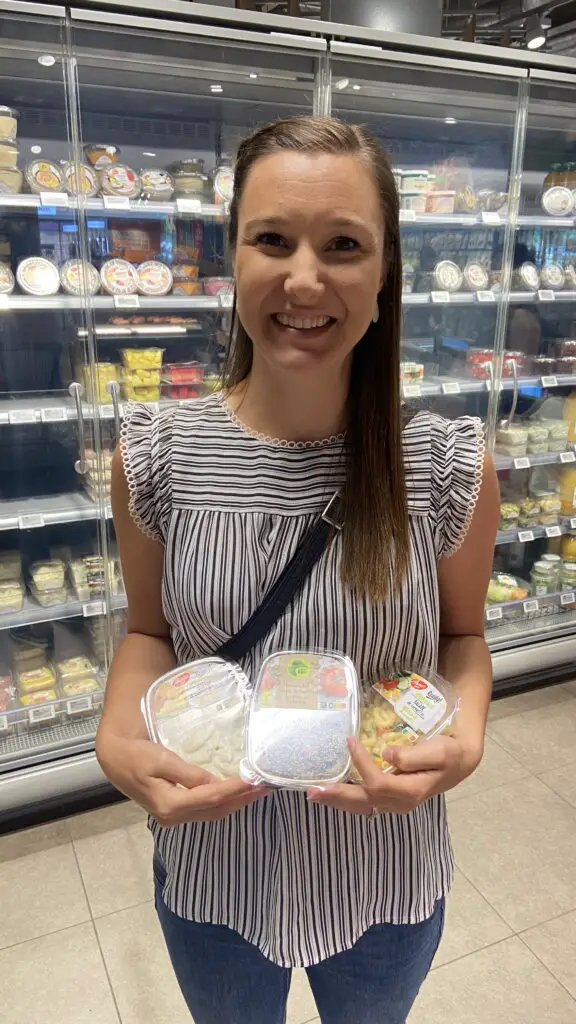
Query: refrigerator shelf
x=503 y=462
x=31 y=612
x=31 y=745
x=112 y=206
x=566 y=525
x=198 y=303
x=34 y=513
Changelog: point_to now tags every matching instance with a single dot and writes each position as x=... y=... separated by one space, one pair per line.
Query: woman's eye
x=344 y=244
x=271 y=239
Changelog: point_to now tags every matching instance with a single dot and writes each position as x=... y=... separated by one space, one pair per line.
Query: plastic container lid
x=198 y=711
x=302 y=710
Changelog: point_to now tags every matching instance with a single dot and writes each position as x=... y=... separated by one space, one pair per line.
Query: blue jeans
x=226 y=980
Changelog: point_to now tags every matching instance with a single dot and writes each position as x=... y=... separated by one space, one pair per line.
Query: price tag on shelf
x=3 y=723
x=451 y=387
x=116 y=203
x=107 y=412
x=52 y=415
x=127 y=301
x=54 y=199
x=549 y=382
x=108 y=511
x=485 y=296
x=407 y=216
x=189 y=206
x=530 y=606
x=567 y=457
x=93 y=608
x=493 y=219
x=22 y=416
x=4 y=302
x=31 y=522
x=546 y=295
x=568 y=597
x=553 y=531
x=488 y=384
x=493 y=614
x=79 y=705
x=573 y=523
x=225 y=301
x=440 y=297
x=525 y=536
x=41 y=714
x=412 y=391
x=522 y=463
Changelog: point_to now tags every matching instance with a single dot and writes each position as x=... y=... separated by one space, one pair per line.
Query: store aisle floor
x=79 y=942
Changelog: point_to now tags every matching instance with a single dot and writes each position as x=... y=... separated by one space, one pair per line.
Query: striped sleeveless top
x=300 y=881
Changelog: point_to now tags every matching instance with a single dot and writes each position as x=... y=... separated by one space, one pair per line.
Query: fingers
x=344 y=797
x=174 y=806
x=175 y=770
x=435 y=755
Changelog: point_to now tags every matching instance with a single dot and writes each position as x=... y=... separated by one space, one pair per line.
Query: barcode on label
x=79 y=705
x=127 y=301
x=485 y=296
x=22 y=416
x=116 y=203
x=41 y=714
x=567 y=457
x=549 y=382
x=412 y=391
x=407 y=216
x=93 y=608
x=522 y=463
x=531 y=606
x=493 y=614
x=54 y=199
x=568 y=598
x=546 y=295
x=189 y=205
x=491 y=218
x=440 y=296
x=52 y=415
x=451 y=387
x=553 y=531
x=3 y=723
x=525 y=536
x=31 y=522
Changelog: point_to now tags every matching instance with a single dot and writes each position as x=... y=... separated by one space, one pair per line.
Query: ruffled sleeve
x=145 y=446
x=457 y=462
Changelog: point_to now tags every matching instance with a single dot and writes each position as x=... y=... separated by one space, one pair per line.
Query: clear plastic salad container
x=403 y=709
x=199 y=712
x=303 y=708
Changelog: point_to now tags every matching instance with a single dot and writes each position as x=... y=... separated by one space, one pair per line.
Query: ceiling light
x=215 y=88
x=535 y=33
x=342 y=84
x=253 y=74
x=356 y=88
x=36 y=149
x=146 y=152
x=47 y=60
x=450 y=120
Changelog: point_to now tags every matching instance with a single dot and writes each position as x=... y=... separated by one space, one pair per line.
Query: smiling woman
x=211 y=502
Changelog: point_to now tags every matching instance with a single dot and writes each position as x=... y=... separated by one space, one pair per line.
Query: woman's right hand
x=171 y=790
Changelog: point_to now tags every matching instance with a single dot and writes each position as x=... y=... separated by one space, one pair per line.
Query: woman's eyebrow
x=278 y=221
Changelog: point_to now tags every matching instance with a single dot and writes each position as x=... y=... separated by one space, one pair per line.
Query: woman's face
x=308 y=260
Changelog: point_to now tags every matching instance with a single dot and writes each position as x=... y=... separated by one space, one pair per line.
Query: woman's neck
x=291 y=406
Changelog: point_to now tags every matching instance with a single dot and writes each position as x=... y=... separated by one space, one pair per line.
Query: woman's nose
x=303 y=282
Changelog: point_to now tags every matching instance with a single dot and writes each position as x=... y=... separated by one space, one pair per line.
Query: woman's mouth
x=302 y=323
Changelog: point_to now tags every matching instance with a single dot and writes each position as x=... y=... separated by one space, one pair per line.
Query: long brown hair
x=376 y=533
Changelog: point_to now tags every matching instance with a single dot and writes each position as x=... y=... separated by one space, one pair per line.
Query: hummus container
x=527 y=277
x=402 y=709
x=198 y=712
x=38 y=276
x=223 y=184
x=44 y=176
x=119 y=277
x=154 y=278
x=558 y=201
x=119 y=180
x=415 y=181
x=81 y=180
x=156 y=184
x=8 y=154
x=218 y=285
x=8 y=124
x=475 y=277
x=99 y=155
x=189 y=177
x=7 y=282
x=10 y=181
x=303 y=708
x=440 y=202
x=552 y=276
x=447 y=276
x=78 y=277
x=414 y=200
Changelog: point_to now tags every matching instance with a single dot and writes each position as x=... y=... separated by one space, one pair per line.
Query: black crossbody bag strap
x=287 y=586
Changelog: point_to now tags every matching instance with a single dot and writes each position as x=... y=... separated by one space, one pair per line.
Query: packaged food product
x=189 y=177
x=566 y=347
x=81 y=180
x=101 y=155
x=492 y=201
x=544 y=578
x=141 y=378
x=303 y=707
x=10 y=181
x=529 y=512
x=80 y=686
x=513 y=360
x=413 y=201
x=75 y=667
x=120 y=180
x=408 y=277
x=11 y=596
x=526 y=277
x=154 y=278
x=447 y=276
x=187 y=288
x=558 y=201
x=6 y=701
x=119 y=277
x=6 y=681
x=412 y=372
x=7 y=281
x=550 y=507
x=142 y=358
x=10 y=565
x=570 y=275
x=48 y=575
x=183 y=392
x=568 y=576
x=466 y=200
x=479 y=362
x=568 y=490
x=185 y=271
x=104 y=373
x=552 y=276
x=223 y=183
x=78 y=277
x=38 y=276
x=557 y=435
x=568 y=547
x=509 y=515
x=198 y=711
x=8 y=154
x=567 y=364
x=32 y=680
x=415 y=181
x=48 y=598
x=8 y=124
x=45 y=696
x=183 y=373
x=402 y=709
x=537 y=439
x=156 y=184
x=544 y=366
x=151 y=393
x=512 y=440
x=475 y=277
x=218 y=285
x=503 y=588
x=440 y=202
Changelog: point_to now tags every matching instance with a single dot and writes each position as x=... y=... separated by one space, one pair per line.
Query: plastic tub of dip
x=403 y=709
x=303 y=708
x=198 y=711
x=8 y=124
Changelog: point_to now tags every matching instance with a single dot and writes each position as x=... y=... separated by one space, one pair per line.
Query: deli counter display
x=117 y=140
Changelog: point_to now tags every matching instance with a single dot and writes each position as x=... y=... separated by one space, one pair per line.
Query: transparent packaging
x=199 y=711
x=303 y=708
x=403 y=709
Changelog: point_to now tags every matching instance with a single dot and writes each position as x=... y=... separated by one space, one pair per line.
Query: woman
x=210 y=503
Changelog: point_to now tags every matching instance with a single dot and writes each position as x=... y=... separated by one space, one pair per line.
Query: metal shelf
x=566 y=526
x=114 y=207
x=31 y=612
x=200 y=303
x=33 y=513
x=504 y=462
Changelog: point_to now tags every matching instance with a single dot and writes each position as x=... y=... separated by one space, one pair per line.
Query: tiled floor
x=79 y=942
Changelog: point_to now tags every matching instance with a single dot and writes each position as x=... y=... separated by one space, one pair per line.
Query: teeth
x=302 y=323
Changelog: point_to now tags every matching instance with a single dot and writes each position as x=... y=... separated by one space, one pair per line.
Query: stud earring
x=376 y=313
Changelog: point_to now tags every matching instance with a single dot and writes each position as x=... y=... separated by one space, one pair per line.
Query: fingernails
x=316 y=793
x=351 y=741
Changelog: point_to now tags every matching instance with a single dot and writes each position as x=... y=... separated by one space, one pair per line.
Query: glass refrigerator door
x=535 y=598
x=163 y=108
x=52 y=661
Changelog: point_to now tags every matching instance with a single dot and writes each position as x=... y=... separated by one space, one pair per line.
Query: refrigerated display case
x=117 y=144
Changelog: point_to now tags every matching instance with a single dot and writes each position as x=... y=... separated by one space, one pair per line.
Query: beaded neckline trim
x=277 y=441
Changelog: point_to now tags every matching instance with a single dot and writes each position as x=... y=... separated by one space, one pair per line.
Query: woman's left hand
x=419 y=773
